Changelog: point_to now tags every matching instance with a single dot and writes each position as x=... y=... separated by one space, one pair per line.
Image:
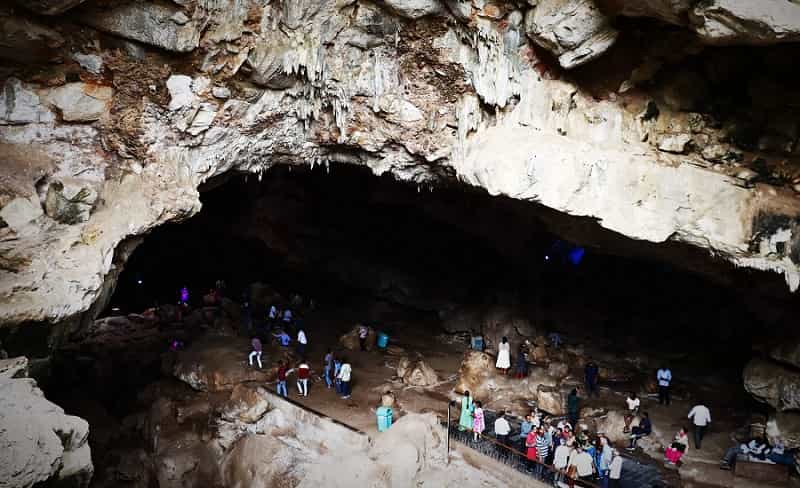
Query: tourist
x=363 y=332
x=525 y=427
x=282 y=372
x=344 y=375
x=287 y=316
x=542 y=450
x=561 y=457
x=591 y=376
x=337 y=367
x=664 y=378
x=303 y=372
x=555 y=339
x=503 y=355
x=615 y=470
x=644 y=428
x=531 y=452
x=604 y=463
x=327 y=368
x=573 y=404
x=467 y=410
x=183 y=297
x=502 y=428
x=283 y=338
x=584 y=466
x=633 y=410
x=256 y=352
x=679 y=446
x=302 y=342
x=272 y=316
x=521 y=368
x=701 y=417
x=756 y=448
x=478 y=421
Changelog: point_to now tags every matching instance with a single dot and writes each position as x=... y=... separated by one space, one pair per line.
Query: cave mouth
x=404 y=258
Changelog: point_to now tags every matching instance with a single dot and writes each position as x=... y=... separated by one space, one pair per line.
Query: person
x=521 y=368
x=633 y=410
x=303 y=372
x=664 y=378
x=502 y=428
x=256 y=352
x=525 y=427
x=604 y=464
x=779 y=454
x=287 y=316
x=327 y=368
x=478 y=421
x=184 y=296
x=542 y=449
x=283 y=338
x=756 y=448
x=701 y=417
x=531 y=448
x=282 y=372
x=272 y=316
x=302 y=342
x=467 y=410
x=337 y=367
x=644 y=428
x=345 y=374
x=503 y=355
x=561 y=457
x=615 y=470
x=679 y=446
x=583 y=463
x=555 y=339
x=591 y=376
x=572 y=406
x=363 y=332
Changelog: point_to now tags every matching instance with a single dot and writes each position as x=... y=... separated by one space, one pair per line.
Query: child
x=256 y=343
x=478 y=421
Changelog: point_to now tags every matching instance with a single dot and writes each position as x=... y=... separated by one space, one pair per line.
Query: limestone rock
x=672 y=11
x=574 y=30
x=784 y=426
x=180 y=91
x=266 y=60
x=539 y=355
x=248 y=403
x=215 y=364
x=68 y=201
x=674 y=143
x=18 y=105
x=350 y=340
x=19 y=212
x=461 y=9
x=90 y=62
x=558 y=369
x=257 y=461
x=773 y=384
x=80 y=102
x=474 y=374
x=49 y=7
x=13 y=368
x=612 y=424
x=416 y=373
x=551 y=400
x=723 y=22
x=26 y=41
x=787 y=352
x=414 y=9
x=37 y=441
x=502 y=321
x=150 y=23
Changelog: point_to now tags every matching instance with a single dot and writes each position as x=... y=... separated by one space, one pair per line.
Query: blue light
x=576 y=255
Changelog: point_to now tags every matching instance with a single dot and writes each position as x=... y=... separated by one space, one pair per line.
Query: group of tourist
x=557 y=452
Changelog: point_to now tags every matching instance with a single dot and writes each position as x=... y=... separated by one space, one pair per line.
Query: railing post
x=450 y=404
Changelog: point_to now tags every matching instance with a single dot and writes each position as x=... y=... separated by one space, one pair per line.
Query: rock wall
x=117 y=112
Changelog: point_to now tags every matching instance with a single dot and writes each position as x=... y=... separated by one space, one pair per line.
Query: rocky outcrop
x=416 y=373
x=725 y=22
x=49 y=7
x=414 y=9
x=773 y=384
x=577 y=32
x=38 y=442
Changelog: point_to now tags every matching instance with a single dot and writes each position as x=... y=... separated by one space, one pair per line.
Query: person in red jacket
x=282 y=372
x=303 y=373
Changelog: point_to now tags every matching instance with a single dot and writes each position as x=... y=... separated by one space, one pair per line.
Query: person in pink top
x=478 y=421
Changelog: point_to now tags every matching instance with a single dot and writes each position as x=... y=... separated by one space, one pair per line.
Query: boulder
x=725 y=22
x=773 y=384
x=477 y=368
x=38 y=443
x=350 y=340
x=13 y=368
x=576 y=31
x=80 y=102
x=539 y=355
x=20 y=212
x=551 y=399
x=90 y=62
x=248 y=403
x=151 y=23
x=49 y=7
x=416 y=373
x=784 y=426
x=612 y=424
x=257 y=461
x=558 y=370
x=19 y=105
x=414 y=9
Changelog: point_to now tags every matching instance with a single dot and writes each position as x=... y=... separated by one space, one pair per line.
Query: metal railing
x=512 y=457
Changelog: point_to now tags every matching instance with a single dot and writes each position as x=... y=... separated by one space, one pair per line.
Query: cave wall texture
x=112 y=114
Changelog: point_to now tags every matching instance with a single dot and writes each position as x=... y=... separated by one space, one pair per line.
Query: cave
x=612 y=186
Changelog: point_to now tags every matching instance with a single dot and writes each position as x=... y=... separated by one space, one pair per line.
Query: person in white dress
x=503 y=355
